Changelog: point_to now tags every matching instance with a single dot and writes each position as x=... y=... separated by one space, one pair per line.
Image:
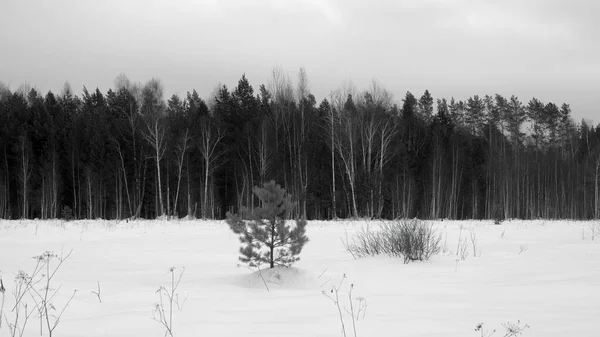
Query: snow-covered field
x=543 y=273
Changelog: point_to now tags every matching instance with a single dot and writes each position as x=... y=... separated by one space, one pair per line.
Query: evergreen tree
x=474 y=116
x=426 y=106
x=409 y=106
x=264 y=234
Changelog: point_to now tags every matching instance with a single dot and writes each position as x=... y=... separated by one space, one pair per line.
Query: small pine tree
x=498 y=215
x=264 y=234
x=67 y=213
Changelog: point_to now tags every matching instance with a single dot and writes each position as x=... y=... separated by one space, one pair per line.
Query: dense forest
x=132 y=153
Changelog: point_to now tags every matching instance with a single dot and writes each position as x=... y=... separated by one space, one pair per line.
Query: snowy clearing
x=543 y=273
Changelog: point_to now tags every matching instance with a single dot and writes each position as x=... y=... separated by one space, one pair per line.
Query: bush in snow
x=264 y=233
x=67 y=213
x=498 y=216
x=413 y=240
x=366 y=242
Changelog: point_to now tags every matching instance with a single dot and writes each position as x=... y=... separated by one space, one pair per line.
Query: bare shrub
x=413 y=240
x=26 y=287
x=49 y=264
x=365 y=242
x=163 y=312
x=510 y=329
x=357 y=310
x=514 y=329
x=474 y=242
x=21 y=311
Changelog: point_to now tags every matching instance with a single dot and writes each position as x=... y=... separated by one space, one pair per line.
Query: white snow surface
x=554 y=285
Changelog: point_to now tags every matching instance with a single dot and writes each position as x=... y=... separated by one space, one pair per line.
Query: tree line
x=129 y=153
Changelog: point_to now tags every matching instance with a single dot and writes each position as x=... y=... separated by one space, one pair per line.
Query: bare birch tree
x=180 y=154
x=155 y=131
x=133 y=117
x=25 y=173
x=210 y=137
x=345 y=140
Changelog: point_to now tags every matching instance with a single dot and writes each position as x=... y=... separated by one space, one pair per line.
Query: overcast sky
x=548 y=49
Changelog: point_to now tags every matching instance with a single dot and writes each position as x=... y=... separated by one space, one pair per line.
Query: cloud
x=327 y=9
x=502 y=20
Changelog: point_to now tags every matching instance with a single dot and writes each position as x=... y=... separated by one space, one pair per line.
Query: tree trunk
x=597 y=191
x=89 y=179
x=125 y=178
x=189 y=196
x=160 y=196
x=206 y=172
x=333 y=166
x=25 y=175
